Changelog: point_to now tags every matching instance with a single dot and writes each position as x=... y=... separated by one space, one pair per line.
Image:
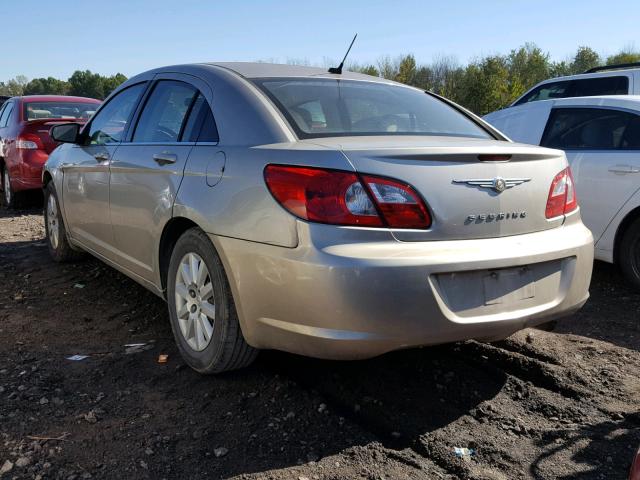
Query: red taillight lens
x=562 y=195
x=29 y=141
x=399 y=204
x=342 y=198
x=321 y=195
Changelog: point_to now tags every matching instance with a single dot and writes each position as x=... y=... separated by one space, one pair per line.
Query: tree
x=585 y=59
x=406 y=70
x=14 y=87
x=46 y=86
x=388 y=68
x=528 y=65
x=86 y=84
x=423 y=78
x=628 y=55
x=486 y=85
x=109 y=84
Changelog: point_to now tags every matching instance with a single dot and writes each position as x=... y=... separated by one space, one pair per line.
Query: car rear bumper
x=27 y=175
x=360 y=299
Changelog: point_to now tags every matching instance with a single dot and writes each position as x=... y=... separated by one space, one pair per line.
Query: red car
x=25 y=143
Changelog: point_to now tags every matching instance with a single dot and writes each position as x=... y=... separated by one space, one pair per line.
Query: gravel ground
x=537 y=406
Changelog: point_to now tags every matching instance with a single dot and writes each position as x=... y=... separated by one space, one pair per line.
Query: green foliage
x=494 y=81
x=406 y=70
x=625 y=56
x=81 y=83
x=46 y=86
x=585 y=59
x=13 y=87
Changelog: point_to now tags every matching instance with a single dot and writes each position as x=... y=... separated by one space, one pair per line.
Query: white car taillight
x=562 y=195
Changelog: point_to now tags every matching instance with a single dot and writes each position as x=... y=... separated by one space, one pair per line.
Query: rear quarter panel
x=240 y=205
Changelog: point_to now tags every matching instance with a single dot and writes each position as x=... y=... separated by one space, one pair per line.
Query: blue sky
x=54 y=38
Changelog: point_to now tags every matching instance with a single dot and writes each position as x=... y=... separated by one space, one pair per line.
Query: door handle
x=165 y=158
x=622 y=169
x=101 y=157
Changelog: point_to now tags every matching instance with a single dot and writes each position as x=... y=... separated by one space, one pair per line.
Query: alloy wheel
x=194 y=300
x=52 y=221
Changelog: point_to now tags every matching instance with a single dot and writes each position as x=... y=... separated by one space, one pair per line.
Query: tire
x=10 y=198
x=59 y=247
x=212 y=343
x=629 y=254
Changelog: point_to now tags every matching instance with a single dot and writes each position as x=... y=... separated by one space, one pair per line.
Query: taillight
x=29 y=141
x=343 y=198
x=562 y=195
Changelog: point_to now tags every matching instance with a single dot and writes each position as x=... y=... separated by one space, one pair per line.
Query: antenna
x=338 y=69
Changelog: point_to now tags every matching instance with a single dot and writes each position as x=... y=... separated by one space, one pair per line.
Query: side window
x=6 y=114
x=600 y=86
x=164 y=113
x=547 y=91
x=591 y=129
x=110 y=123
x=200 y=126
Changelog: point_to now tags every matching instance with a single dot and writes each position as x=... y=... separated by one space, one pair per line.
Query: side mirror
x=66 y=132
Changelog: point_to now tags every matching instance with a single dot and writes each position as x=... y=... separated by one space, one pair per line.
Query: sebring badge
x=497 y=184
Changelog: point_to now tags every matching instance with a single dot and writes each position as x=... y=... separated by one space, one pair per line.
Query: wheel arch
x=46 y=178
x=626 y=222
x=172 y=231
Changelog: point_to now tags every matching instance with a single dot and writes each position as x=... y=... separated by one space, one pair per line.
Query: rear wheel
x=201 y=308
x=9 y=197
x=629 y=256
x=59 y=247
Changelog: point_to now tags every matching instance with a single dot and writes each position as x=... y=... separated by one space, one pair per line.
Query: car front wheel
x=629 y=256
x=59 y=247
x=201 y=308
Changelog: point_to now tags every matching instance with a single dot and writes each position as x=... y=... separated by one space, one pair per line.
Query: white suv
x=601 y=137
x=620 y=79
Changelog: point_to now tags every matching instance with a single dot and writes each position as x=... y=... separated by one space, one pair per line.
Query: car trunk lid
x=42 y=129
x=460 y=179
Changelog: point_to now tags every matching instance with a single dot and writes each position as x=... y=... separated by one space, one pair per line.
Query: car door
x=603 y=149
x=147 y=170
x=86 y=172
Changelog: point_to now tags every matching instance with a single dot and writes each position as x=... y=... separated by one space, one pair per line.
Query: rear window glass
x=65 y=110
x=329 y=108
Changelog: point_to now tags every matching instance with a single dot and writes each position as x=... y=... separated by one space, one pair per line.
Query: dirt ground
x=537 y=406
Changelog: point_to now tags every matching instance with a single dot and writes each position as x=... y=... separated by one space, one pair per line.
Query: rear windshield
x=328 y=108
x=66 y=110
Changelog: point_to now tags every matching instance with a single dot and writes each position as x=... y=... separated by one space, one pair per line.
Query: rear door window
x=165 y=112
x=200 y=126
x=592 y=129
x=588 y=87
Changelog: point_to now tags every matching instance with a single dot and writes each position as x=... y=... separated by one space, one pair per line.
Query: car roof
x=604 y=73
x=275 y=70
x=56 y=98
x=629 y=101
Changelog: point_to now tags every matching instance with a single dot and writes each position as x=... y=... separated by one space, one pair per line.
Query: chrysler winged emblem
x=497 y=184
